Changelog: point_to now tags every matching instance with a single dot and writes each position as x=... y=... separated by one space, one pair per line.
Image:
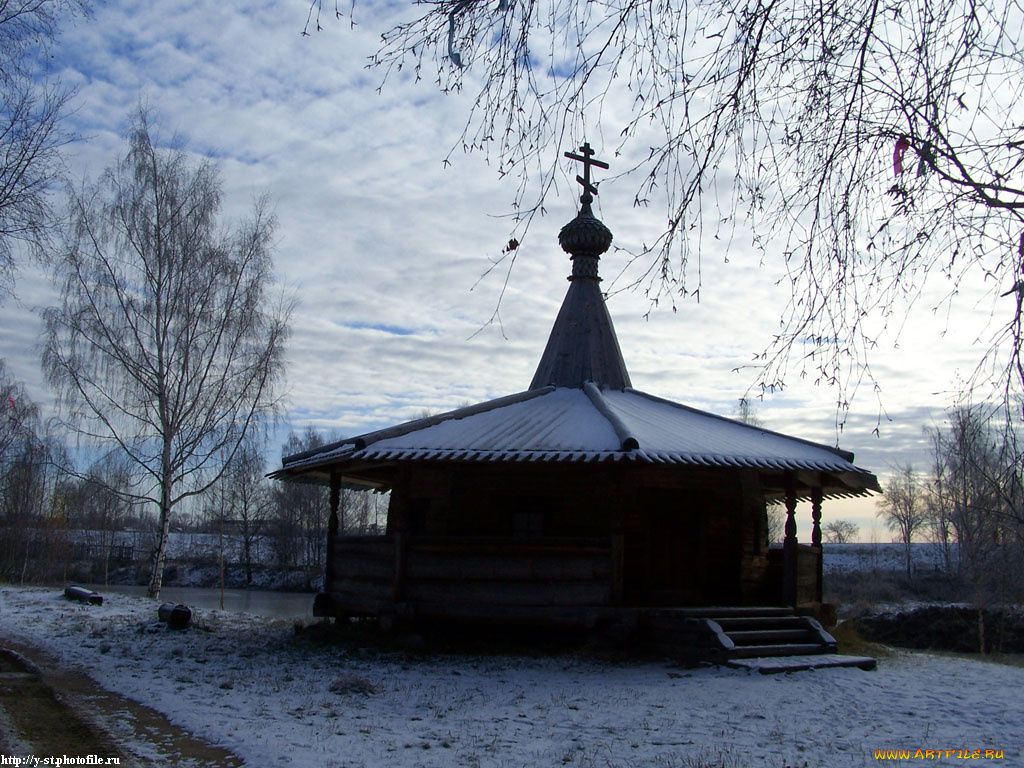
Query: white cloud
x=374 y=231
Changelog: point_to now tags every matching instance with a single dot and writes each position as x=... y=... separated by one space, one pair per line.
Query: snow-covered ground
x=275 y=698
x=845 y=558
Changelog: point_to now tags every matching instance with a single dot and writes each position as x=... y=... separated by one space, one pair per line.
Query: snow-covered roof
x=581 y=408
x=588 y=424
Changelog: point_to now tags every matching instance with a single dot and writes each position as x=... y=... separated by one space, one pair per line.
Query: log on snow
x=83 y=595
x=175 y=616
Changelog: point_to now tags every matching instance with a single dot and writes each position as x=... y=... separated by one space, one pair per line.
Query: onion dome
x=585 y=238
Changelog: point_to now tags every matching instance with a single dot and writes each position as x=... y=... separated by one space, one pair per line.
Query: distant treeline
x=57 y=518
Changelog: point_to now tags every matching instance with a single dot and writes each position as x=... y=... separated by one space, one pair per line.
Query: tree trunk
x=221 y=530
x=156 y=578
x=247 y=544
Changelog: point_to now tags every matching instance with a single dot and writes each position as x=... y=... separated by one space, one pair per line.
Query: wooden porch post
x=400 y=532
x=332 y=531
x=816 y=497
x=789 y=548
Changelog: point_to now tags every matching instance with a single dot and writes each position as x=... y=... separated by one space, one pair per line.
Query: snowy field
x=846 y=558
x=277 y=699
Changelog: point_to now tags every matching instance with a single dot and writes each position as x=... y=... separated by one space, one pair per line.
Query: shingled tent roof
x=581 y=407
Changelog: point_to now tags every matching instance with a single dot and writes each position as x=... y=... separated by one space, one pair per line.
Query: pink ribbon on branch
x=902 y=145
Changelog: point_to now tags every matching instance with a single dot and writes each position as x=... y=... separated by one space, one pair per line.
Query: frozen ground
x=277 y=699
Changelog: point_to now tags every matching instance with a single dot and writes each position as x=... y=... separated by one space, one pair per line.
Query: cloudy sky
x=384 y=246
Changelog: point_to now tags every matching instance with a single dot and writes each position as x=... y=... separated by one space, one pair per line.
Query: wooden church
x=582 y=501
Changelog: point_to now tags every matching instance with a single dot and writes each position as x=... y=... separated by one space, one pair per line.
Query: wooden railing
x=808 y=574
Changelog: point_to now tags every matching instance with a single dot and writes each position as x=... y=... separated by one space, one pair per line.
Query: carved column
x=789 y=548
x=816 y=496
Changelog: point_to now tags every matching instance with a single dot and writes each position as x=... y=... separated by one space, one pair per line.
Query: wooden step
x=775 y=664
x=722 y=634
x=770 y=636
x=760 y=622
x=782 y=649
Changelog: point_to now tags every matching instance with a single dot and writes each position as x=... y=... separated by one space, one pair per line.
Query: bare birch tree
x=840 y=531
x=978 y=492
x=240 y=502
x=32 y=103
x=20 y=419
x=168 y=342
x=869 y=146
x=903 y=507
x=100 y=504
x=26 y=483
x=300 y=514
x=965 y=459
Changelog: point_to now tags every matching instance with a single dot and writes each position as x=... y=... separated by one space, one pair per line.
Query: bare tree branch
x=869 y=147
x=32 y=104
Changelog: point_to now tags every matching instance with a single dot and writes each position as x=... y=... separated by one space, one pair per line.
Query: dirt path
x=46 y=711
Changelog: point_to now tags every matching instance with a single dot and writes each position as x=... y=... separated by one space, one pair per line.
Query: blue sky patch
x=394 y=330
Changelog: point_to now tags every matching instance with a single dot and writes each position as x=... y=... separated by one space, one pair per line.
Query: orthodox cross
x=587 y=159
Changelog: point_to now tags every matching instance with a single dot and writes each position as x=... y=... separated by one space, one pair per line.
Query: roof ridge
x=626 y=437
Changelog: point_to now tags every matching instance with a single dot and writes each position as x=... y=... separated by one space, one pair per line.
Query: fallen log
x=175 y=616
x=83 y=595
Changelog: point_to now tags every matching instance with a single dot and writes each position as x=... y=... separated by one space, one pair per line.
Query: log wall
x=450 y=577
x=562 y=536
